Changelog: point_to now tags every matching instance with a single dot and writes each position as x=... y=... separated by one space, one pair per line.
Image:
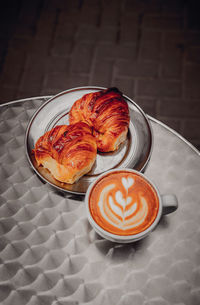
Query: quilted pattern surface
x=49 y=254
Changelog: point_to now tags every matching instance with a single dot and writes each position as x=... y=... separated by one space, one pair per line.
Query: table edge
x=175 y=133
x=25 y=100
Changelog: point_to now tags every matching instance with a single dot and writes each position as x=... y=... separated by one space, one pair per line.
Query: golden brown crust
x=67 y=151
x=107 y=113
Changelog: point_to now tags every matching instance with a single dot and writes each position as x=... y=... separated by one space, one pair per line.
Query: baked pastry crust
x=68 y=152
x=107 y=113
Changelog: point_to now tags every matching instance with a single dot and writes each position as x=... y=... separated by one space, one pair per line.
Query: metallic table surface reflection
x=49 y=254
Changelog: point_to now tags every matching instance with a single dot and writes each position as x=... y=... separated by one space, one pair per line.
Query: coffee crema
x=123 y=203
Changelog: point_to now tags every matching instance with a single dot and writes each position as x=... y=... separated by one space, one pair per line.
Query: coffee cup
x=124 y=206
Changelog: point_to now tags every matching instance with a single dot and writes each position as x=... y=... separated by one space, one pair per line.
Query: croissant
x=68 y=152
x=107 y=113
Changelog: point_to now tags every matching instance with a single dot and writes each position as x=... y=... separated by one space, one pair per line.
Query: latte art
x=120 y=211
x=123 y=203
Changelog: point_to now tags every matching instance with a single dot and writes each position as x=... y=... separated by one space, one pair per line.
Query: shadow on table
x=120 y=252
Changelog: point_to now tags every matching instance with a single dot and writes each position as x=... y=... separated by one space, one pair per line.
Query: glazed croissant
x=107 y=113
x=68 y=152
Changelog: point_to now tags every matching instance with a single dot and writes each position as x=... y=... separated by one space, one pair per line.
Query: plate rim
x=79 y=89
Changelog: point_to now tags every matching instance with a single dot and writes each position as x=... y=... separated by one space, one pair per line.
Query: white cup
x=167 y=204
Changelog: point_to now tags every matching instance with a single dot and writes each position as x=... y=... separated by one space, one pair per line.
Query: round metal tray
x=134 y=153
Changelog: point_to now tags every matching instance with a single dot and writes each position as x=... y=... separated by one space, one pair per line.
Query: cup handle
x=170 y=203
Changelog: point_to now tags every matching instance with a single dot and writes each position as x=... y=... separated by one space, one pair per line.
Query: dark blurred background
x=149 y=49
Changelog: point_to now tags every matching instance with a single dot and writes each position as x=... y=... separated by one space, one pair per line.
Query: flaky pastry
x=68 y=152
x=107 y=113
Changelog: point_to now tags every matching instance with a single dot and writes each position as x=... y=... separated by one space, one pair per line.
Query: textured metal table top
x=49 y=254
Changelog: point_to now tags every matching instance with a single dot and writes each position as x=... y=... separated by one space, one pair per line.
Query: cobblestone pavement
x=150 y=50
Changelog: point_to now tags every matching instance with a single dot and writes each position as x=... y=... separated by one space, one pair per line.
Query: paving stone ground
x=150 y=50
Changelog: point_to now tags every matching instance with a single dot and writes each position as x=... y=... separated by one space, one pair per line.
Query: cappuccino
x=123 y=203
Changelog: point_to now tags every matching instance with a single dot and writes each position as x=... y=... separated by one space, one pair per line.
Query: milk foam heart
x=127 y=182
